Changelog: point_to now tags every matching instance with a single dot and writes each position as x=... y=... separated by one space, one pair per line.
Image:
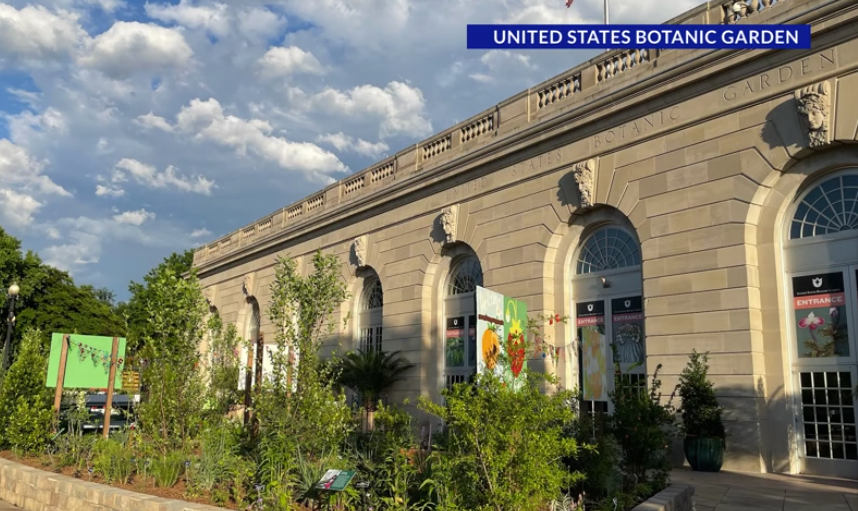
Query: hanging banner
x=454 y=345
x=819 y=304
x=515 y=343
x=590 y=320
x=627 y=322
x=490 y=330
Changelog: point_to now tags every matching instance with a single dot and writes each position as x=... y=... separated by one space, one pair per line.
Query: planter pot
x=704 y=454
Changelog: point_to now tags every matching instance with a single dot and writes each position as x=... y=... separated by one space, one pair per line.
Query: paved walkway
x=739 y=491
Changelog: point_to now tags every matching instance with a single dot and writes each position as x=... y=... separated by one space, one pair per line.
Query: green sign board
x=335 y=480
x=87 y=362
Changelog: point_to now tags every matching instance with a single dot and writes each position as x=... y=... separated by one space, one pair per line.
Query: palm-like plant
x=369 y=373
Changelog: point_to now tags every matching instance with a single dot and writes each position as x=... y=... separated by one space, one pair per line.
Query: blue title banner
x=667 y=37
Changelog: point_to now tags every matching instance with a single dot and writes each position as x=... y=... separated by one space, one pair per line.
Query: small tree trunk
x=369 y=425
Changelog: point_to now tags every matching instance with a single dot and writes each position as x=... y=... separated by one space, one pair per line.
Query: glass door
x=609 y=331
x=823 y=332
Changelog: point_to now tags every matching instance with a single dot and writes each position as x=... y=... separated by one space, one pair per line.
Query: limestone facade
x=697 y=162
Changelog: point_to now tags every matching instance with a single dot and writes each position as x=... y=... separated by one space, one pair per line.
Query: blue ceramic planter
x=704 y=454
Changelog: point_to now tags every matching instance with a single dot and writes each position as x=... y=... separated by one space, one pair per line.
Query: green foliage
x=174 y=386
x=167 y=469
x=505 y=448
x=642 y=425
x=26 y=418
x=701 y=413
x=369 y=373
x=112 y=459
x=223 y=370
x=72 y=447
x=136 y=311
x=215 y=470
x=49 y=300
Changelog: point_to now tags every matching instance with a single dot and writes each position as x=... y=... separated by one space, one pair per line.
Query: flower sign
x=819 y=302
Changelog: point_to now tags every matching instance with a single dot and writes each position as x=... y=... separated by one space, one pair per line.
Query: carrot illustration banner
x=590 y=319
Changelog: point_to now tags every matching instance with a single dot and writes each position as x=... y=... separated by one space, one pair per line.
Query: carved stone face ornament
x=814 y=105
x=449 y=219
x=584 y=174
x=360 y=246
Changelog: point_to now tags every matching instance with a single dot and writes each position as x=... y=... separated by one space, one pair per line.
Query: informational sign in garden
x=87 y=362
x=501 y=335
x=335 y=480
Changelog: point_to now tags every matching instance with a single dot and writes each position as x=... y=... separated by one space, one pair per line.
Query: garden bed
x=145 y=487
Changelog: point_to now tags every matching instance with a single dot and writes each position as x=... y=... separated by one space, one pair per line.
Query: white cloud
x=400 y=107
x=280 y=61
x=213 y=18
x=16 y=208
x=19 y=169
x=343 y=142
x=259 y=23
x=201 y=233
x=207 y=121
x=129 y=47
x=106 y=5
x=148 y=176
x=36 y=33
x=150 y=121
x=109 y=191
x=134 y=217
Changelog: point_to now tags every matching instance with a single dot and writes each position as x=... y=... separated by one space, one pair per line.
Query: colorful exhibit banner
x=515 y=326
x=87 y=362
x=590 y=320
x=627 y=329
x=819 y=304
x=455 y=342
x=501 y=336
x=490 y=330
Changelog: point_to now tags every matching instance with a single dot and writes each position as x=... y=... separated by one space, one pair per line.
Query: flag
x=569 y=3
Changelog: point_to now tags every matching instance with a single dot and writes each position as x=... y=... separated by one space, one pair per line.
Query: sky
x=130 y=130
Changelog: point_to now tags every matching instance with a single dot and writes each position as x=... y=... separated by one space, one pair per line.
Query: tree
x=223 y=370
x=136 y=311
x=369 y=373
x=174 y=310
x=49 y=300
x=25 y=423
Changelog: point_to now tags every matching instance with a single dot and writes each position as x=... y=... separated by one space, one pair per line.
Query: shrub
x=642 y=425
x=701 y=413
x=167 y=469
x=504 y=447
x=26 y=418
x=112 y=459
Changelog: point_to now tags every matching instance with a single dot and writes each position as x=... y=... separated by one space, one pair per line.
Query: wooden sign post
x=61 y=376
x=111 y=381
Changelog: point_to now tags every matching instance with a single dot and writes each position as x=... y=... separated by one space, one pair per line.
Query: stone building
x=720 y=187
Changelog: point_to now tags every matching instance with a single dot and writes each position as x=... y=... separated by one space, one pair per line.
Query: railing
x=539 y=103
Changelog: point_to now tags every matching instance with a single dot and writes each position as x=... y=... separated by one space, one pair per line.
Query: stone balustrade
x=574 y=88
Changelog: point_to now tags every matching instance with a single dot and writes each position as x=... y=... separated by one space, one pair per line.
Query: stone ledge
x=676 y=497
x=32 y=489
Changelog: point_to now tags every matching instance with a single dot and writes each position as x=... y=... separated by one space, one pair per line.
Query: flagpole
x=607 y=14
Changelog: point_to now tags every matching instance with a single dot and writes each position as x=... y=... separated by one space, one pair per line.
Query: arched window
x=371 y=311
x=460 y=320
x=609 y=248
x=831 y=206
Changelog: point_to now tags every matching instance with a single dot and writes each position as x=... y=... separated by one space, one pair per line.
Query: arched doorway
x=460 y=320
x=608 y=311
x=821 y=262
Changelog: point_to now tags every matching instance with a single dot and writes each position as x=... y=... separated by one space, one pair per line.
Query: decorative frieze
x=585 y=178
x=210 y=294
x=814 y=107
x=449 y=222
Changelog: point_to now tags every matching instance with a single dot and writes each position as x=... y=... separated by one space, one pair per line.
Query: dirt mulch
x=137 y=485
